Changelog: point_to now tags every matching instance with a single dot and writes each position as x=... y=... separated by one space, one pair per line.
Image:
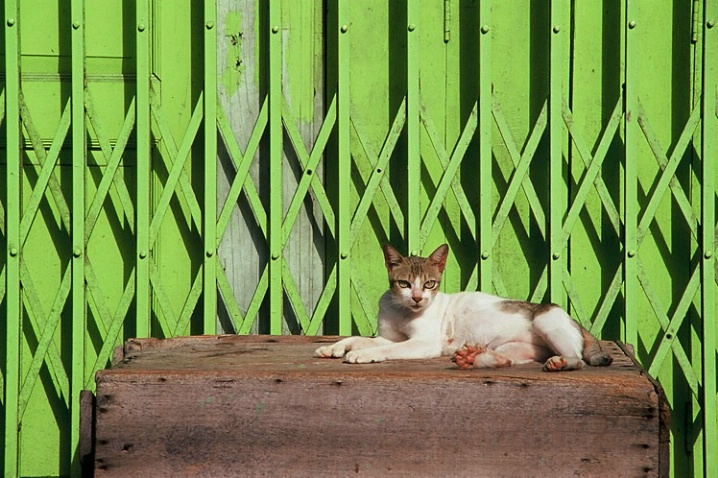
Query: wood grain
x=263 y=406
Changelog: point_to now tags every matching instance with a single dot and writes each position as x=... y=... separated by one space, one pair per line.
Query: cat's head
x=414 y=281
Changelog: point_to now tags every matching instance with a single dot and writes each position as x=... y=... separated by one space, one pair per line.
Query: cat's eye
x=430 y=284
x=404 y=284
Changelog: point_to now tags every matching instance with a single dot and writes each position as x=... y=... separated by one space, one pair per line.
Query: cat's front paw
x=363 y=356
x=330 y=351
x=465 y=357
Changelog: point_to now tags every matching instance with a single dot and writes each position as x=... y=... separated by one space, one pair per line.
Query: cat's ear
x=392 y=257
x=438 y=257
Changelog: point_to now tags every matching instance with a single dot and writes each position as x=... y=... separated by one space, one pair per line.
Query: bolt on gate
x=234 y=166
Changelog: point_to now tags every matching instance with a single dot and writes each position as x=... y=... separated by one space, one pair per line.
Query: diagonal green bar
x=227 y=296
x=110 y=158
x=46 y=175
x=344 y=168
x=365 y=309
x=177 y=172
x=144 y=167
x=163 y=301
x=182 y=324
x=209 y=229
x=309 y=163
x=668 y=178
x=276 y=160
x=254 y=305
x=451 y=167
x=36 y=314
x=521 y=161
x=13 y=250
x=577 y=310
x=40 y=153
x=79 y=166
x=295 y=297
x=242 y=162
x=413 y=133
x=378 y=175
x=45 y=339
x=110 y=178
x=110 y=340
x=593 y=167
x=96 y=300
x=323 y=303
x=608 y=301
x=708 y=241
x=486 y=160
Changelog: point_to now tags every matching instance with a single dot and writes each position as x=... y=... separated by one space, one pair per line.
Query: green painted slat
x=630 y=177
x=13 y=252
x=323 y=303
x=253 y=310
x=210 y=169
x=144 y=164
x=413 y=114
x=344 y=207
x=486 y=239
x=276 y=293
x=295 y=298
x=708 y=242
x=79 y=166
x=560 y=28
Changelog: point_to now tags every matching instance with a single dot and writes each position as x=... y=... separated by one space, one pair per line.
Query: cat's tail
x=592 y=353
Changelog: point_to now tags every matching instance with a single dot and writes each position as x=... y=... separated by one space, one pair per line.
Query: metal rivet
x=484 y=255
x=309 y=172
x=484 y=29
x=556 y=28
x=10 y=22
x=209 y=25
x=708 y=254
x=344 y=255
x=141 y=27
x=75 y=25
x=631 y=253
x=632 y=24
x=76 y=252
x=556 y=256
x=710 y=23
x=414 y=253
x=275 y=256
x=13 y=251
x=344 y=28
x=378 y=170
x=209 y=253
x=412 y=27
x=275 y=29
x=143 y=254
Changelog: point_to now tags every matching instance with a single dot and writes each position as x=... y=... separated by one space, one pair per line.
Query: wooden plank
x=263 y=406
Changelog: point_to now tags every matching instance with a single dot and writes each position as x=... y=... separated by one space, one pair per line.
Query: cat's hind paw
x=557 y=363
x=465 y=357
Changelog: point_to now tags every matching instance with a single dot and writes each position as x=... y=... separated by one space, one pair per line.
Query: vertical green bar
x=485 y=156
x=630 y=188
x=413 y=131
x=210 y=167
x=12 y=230
x=710 y=416
x=144 y=162
x=78 y=224
x=560 y=29
x=275 y=168
x=344 y=216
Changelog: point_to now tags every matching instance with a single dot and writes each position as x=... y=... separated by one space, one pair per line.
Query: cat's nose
x=416 y=299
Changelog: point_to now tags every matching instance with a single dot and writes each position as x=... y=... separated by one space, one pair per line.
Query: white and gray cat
x=416 y=321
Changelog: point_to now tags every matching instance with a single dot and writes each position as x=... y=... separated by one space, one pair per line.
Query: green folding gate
x=564 y=150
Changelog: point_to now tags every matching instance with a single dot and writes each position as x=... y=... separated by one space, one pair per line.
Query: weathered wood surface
x=263 y=406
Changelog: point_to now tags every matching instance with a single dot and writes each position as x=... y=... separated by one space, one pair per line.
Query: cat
x=416 y=321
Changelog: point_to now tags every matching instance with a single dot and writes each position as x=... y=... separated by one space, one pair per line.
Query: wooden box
x=263 y=406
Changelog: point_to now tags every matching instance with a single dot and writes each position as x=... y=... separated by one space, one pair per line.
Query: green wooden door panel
x=235 y=166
